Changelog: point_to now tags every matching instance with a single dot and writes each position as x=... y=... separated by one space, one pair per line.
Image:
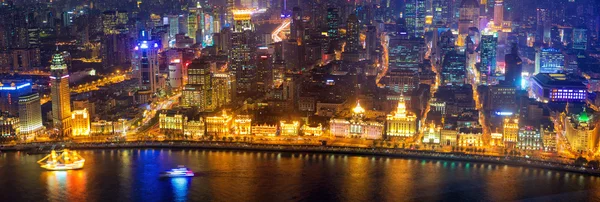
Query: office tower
x=514 y=67
x=264 y=72
x=9 y=95
x=488 y=46
x=145 y=65
x=198 y=91
x=352 y=35
x=193 y=22
x=414 y=14
x=469 y=17
x=173 y=26
x=175 y=74
x=442 y=11
x=223 y=89
x=297 y=26
x=543 y=25
x=580 y=38
x=371 y=42
x=30 y=114
x=333 y=18
x=453 y=69
x=115 y=41
x=498 y=12
x=229 y=13
x=242 y=55
x=406 y=54
x=80 y=120
x=549 y=60
x=502 y=98
x=401 y=81
x=61 y=96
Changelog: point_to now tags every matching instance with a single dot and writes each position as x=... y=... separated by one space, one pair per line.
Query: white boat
x=180 y=171
x=67 y=160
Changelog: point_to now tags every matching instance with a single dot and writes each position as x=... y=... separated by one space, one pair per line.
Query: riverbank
x=384 y=152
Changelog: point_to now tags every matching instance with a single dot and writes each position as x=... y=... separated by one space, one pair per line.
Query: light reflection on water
x=132 y=175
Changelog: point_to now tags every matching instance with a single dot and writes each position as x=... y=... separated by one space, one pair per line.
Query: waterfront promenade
x=381 y=152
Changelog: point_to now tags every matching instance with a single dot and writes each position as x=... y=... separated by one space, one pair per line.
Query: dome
x=358 y=109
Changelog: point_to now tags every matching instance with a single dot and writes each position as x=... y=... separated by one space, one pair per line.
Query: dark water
x=132 y=175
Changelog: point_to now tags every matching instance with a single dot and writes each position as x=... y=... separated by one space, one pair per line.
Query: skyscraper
x=297 y=26
x=333 y=18
x=145 y=65
x=61 y=96
x=454 y=68
x=9 y=95
x=352 y=35
x=198 y=91
x=469 y=15
x=242 y=55
x=549 y=60
x=514 y=67
x=414 y=14
x=30 y=114
x=580 y=38
x=488 y=46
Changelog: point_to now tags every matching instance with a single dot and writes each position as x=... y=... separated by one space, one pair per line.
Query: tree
x=580 y=161
x=593 y=164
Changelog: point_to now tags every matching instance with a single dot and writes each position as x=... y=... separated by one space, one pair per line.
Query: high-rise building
x=61 y=96
x=242 y=55
x=549 y=60
x=469 y=17
x=297 y=26
x=401 y=123
x=414 y=13
x=80 y=120
x=453 y=69
x=173 y=26
x=30 y=115
x=176 y=74
x=352 y=35
x=198 y=92
x=223 y=85
x=371 y=42
x=498 y=12
x=9 y=95
x=406 y=54
x=580 y=38
x=145 y=65
x=115 y=41
x=502 y=98
x=488 y=46
x=193 y=25
x=401 y=81
x=513 y=67
x=333 y=18
x=510 y=132
x=113 y=22
x=442 y=11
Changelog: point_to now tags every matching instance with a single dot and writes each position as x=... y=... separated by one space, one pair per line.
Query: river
x=132 y=175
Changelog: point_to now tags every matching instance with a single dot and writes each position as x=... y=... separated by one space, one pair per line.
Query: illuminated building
x=145 y=65
x=401 y=123
x=549 y=60
x=549 y=138
x=30 y=114
x=61 y=96
x=581 y=132
x=468 y=17
x=175 y=74
x=218 y=125
x=510 y=132
x=502 y=98
x=454 y=69
x=171 y=121
x=333 y=18
x=194 y=128
x=9 y=95
x=580 y=38
x=173 y=26
x=116 y=40
x=81 y=122
x=297 y=26
x=357 y=126
x=193 y=22
x=222 y=89
x=406 y=54
x=242 y=125
x=289 y=129
x=401 y=81
x=9 y=126
x=488 y=46
x=470 y=137
x=264 y=130
x=312 y=130
x=414 y=14
x=557 y=88
x=496 y=139
x=449 y=137
x=513 y=67
x=102 y=127
x=241 y=55
x=114 y=21
x=529 y=138
x=198 y=91
x=352 y=35
x=371 y=42
x=432 y=134
x=498 y=12
x=442 y=11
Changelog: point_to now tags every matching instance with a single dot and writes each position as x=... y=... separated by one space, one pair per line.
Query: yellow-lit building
x=242 y=125
x=194 y=129
x=242 y=19
x=356 y=127
x=264 y=130
x=510 y=132
x=172 y=122
x=102 y=127
x=312 y=131
x=218 y=125
x=80 y=120
x=401 y=123
x=432 y=134
x=496 y=139
x=289 y=129
x=470 y=137
x=581 y=132
x=9 y=126
x=449 y=137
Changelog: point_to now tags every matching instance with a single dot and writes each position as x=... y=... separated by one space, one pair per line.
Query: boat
x=66 y=160
x=180 y=171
